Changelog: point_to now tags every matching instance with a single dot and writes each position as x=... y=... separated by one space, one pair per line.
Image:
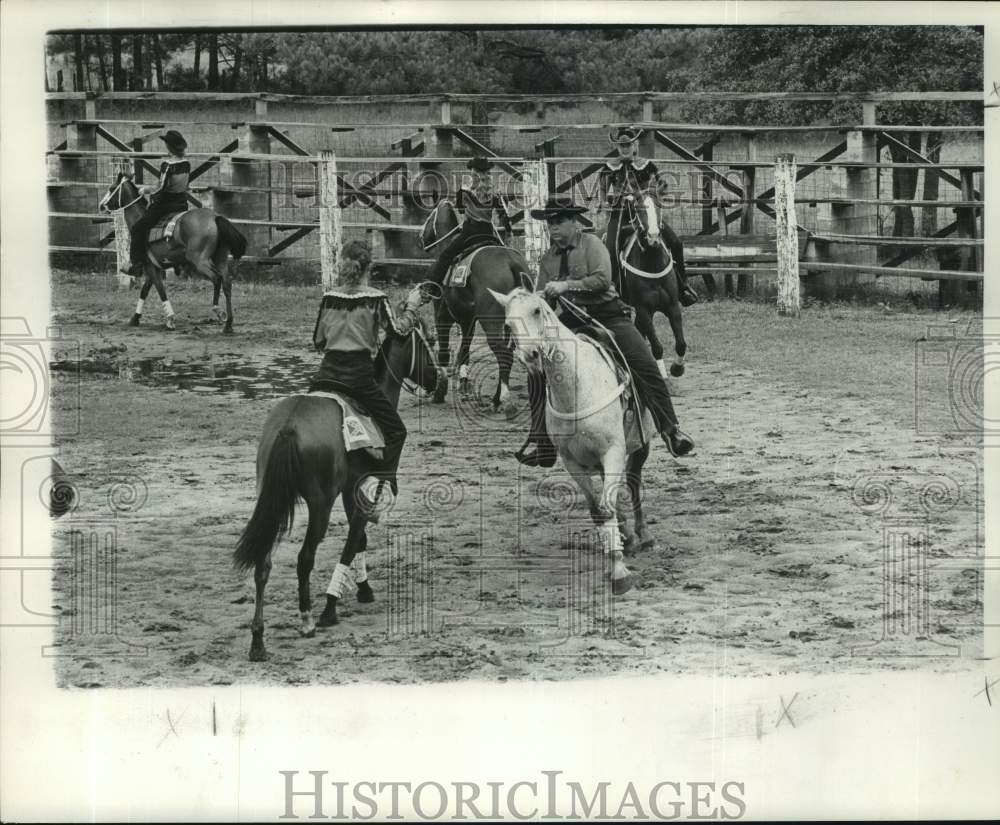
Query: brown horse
x=302 y=455
x=202 y=241
x=498 y=268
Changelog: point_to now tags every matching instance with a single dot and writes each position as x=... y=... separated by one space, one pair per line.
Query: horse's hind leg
x=633 y=473
x=468 y=329
x=161 y=290
x=360 y=564
x=493 y=327
x=356 y=542
x=443 y=322
x=261 y=573
x=319 y=518
x=224 y=279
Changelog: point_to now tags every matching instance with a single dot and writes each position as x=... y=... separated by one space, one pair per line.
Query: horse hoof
x=647 y=546
x=676 y=370
x=510 y=412
x=620 y=586
x=227 y=330
x=464 y=386
x=170 y=323
x=258 y=654
x=327 y=619
x=308 y=634
x=438 y=398
x=365 y=594
x=628 y=547
x=134 y=320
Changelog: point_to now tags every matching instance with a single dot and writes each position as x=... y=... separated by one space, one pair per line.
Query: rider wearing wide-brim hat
x=630 y=174
x=479 y=202
x=168 y=197
x=576 y=271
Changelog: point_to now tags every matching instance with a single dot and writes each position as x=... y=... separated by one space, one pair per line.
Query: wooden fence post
x=329 y=220
x=534 y=189
x=123 y=245
x=787 y=234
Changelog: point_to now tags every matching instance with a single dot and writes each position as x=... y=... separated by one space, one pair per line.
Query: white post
x=329 y=219
x=788 y=238
x=122 y=246
x=533 y=189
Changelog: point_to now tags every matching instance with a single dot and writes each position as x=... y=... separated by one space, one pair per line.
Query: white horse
x=583 y=413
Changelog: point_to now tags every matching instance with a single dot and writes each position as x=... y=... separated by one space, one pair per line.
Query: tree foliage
x=733 y=59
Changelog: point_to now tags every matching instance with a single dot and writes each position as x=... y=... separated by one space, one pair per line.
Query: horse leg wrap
x=360 y=568
x=339 y=581
x=167 y=309
x=138 y=306
x=463 y=371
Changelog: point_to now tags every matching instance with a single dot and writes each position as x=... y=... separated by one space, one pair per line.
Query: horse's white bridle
x=653 y=221
x=107 y=198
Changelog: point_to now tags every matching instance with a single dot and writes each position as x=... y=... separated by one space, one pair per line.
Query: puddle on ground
x=263 y=378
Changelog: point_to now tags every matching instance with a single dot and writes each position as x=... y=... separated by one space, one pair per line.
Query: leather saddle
x=163 y=229
x=458 y=272
x=360 y=431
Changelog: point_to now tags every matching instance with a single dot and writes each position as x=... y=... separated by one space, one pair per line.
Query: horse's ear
x=499 y=297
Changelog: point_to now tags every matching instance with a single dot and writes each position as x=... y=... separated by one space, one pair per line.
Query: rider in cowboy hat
x=630 y=173
x=346 y=331
x=577 y=268
x=478 y=201
x=170 y=196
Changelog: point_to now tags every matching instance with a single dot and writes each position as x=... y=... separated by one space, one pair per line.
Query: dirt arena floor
x=827 y=449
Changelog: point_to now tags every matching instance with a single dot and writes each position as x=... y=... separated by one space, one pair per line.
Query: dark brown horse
x=648 y=281
x=202 y=242
x=497 y=268
x=302 y=455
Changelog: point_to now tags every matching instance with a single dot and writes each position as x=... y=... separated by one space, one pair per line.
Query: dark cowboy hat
x=480 y=164
x=174 y=139
x=623 y=136
x=561 y=207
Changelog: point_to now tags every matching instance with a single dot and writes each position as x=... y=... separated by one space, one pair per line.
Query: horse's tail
x=234 y=240
x=274 y=513
x=521 y=271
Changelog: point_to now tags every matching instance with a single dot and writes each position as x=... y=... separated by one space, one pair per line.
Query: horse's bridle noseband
x=105 y=201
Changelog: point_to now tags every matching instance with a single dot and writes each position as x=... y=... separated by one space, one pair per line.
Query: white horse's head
x=532 y=324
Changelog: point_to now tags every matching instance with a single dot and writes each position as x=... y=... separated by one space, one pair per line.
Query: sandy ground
x=771 y=539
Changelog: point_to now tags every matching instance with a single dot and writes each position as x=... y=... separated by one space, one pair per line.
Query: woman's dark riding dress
x=171 y=197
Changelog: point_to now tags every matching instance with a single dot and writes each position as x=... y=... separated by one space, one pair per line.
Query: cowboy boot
x=687 y=295
x=678 y=442
x=545 y=452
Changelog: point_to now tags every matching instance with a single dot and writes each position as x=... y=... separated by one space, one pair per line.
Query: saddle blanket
x=360 y=431
x=163 y=230
x=458 y=273
x=636 y=418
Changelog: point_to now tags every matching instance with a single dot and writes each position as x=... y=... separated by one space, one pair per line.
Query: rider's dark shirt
x=174 y=175
x=350 y=318
x=478 y=206
x=628 y=175
x=589 y=271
